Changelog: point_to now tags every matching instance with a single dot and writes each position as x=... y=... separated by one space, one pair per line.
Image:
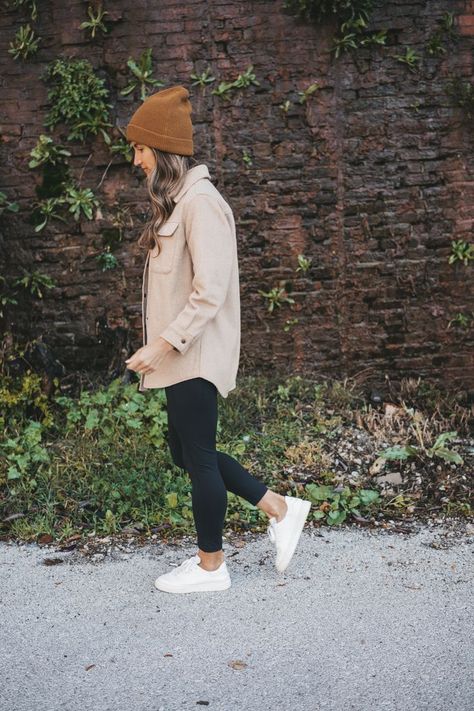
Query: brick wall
x=372 y=178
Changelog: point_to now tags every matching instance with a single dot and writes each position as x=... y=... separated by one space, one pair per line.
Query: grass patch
x=98 y=462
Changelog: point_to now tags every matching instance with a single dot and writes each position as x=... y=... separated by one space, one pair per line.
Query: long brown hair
x=163 y=182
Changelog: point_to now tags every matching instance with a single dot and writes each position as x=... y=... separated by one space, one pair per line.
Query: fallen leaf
x=377 y=466
x=52 y=561
x=237 y=664
x=391 y=409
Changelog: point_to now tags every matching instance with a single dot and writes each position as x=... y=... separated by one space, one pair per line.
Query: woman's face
x=144 y=157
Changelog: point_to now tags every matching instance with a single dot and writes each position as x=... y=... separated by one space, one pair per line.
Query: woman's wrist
x=163 y=342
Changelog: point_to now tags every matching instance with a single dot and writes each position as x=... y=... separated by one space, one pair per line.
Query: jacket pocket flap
x=167 y=228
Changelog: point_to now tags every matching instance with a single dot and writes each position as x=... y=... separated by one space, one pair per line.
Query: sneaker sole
x=195 y=587
x=300 y=521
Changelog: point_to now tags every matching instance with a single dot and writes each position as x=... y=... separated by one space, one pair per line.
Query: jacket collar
x=195 y=173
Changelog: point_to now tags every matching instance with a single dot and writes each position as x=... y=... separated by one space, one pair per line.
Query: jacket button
x=183 y=340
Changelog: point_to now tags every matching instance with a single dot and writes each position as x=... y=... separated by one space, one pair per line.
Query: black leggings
x=192 y=424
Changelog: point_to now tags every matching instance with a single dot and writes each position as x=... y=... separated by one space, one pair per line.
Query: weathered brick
x=357 y=179
x=465 y=23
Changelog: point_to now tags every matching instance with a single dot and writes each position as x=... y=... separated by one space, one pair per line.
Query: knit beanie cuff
x=138 y=134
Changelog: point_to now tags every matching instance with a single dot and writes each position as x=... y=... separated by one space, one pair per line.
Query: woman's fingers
x=144 y=362
x=139 y=366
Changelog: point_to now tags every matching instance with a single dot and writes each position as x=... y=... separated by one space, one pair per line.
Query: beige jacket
x=190 y=294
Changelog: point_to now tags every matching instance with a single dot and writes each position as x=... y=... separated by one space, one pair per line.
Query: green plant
x=375 y=38
x=107 y=260
x=202 y=79
x=462 y=320
x=276 y=297
x=31 y=4
x=93 y=125
x=81 y=201
x=246 y=79
x=243 y=80
x=289 y=323
x=458 y=507
x=246 y=157
x=142 y=73
x=96 y=21
x=435 y=45
x=7 y=205
x=410 y=58
x=445 y=32
x=46 y=209
x=116 y=406
x=121 y=218
x=344 y=43
x=46 y=152
x=461 y=92
x=77 y=97
x=320 y=10
x=5 y=296
x=25 y=43
x=223 y=89
x=354 y=35
x=461 y=251
x=335 y=503
x=308 y=92
x=24 y=453
x=415 y=105
x=447 y=25
x=121 y=147
x=285 y=106
x=438 y=449
x=108 y=453
x=34 y=282
x=22 y=397
x=353 y=17
x=304 y=263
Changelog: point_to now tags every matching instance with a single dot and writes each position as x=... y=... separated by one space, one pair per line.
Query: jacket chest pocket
x=163 y=262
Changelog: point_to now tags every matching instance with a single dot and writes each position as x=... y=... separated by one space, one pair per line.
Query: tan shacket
x=190 y=294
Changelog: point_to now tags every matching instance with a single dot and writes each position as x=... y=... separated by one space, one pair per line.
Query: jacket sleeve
x=210 y=239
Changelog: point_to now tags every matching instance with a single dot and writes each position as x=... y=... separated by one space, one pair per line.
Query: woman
x=191 y=329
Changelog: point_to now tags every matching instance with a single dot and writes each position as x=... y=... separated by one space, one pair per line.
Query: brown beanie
x=164 y=121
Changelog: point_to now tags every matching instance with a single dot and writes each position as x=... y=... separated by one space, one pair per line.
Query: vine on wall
x=78 y=100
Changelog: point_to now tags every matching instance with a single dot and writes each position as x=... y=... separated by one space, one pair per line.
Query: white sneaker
x=286 y=533
x=190 y=577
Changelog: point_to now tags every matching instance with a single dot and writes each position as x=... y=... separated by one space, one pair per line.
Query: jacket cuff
x=180 y=340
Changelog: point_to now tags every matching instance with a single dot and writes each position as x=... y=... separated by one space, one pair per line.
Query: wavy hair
x=162 y=182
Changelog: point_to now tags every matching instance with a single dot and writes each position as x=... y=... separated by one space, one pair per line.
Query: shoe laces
x=188 y=563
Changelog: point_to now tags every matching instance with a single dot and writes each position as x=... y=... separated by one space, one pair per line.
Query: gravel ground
x=362 y=619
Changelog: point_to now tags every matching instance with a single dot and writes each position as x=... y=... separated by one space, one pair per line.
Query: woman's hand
x=148 y=358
